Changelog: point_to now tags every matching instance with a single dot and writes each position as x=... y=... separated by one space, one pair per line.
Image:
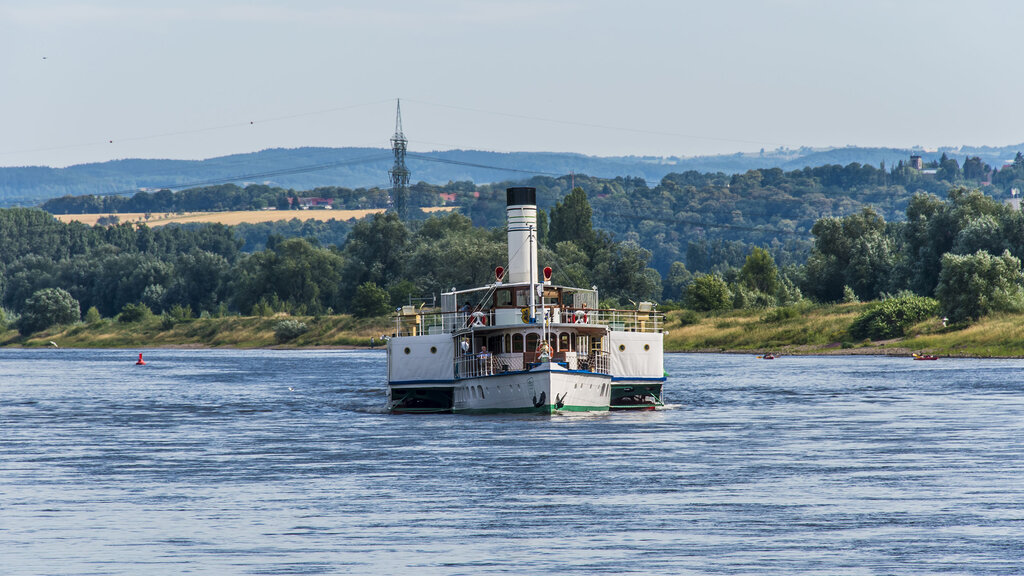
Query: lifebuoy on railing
x=478 y=319
x=580 y=317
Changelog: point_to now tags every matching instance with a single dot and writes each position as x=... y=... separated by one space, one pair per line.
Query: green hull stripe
x=549 y=409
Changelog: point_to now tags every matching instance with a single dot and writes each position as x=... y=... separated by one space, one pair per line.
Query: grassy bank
x=823 y=329
x=232 y=332
x=804 y=330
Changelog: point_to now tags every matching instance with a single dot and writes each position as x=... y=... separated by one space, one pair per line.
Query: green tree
x=975 y=170
x=854 y=251
x=949 y=169
x=708 y=292
x=375 y=251
x=370 y=300
x=92 y=315
x=46 y=308
x=295 y=276
x=676 y=283
x=973 y=285
x=760 y=273
x=571 y=219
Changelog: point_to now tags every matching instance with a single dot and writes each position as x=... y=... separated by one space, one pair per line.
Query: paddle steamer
x=524 y=345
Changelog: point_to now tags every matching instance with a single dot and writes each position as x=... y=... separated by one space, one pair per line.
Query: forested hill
x=308 y=168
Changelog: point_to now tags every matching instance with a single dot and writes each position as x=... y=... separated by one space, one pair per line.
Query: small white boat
x=524 y=345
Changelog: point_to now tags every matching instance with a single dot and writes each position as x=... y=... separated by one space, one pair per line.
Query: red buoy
x=141 y=362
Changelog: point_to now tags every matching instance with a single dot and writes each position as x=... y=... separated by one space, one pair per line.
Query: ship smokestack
x=521 y=211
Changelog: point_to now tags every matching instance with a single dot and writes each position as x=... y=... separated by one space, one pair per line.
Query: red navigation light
x=547 y=273
x=499 y=272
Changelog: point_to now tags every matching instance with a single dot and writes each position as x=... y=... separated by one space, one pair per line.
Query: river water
x=283 y=462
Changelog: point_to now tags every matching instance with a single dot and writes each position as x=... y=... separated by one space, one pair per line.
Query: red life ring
x=580 y=317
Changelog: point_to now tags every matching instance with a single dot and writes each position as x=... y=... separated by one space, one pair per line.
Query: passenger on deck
x=486 y=361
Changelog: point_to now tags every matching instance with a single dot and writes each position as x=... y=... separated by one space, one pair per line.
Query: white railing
x=476 y=365
x=450 y=322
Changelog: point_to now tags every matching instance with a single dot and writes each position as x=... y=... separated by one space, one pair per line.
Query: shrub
x=176 y=315
x=371 y=300
x=781 y=314
x=46 y=308
x=134 y=313
x=92 y=315
x=849 y=296
x=286 y=330
x=973 y=285
x=688 y=318
x=708 y=292
x=891 y=318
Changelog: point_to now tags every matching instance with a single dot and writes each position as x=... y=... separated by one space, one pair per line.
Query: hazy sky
x=97 y=80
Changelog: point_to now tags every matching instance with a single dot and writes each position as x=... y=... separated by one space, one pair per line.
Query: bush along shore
x=882 y=328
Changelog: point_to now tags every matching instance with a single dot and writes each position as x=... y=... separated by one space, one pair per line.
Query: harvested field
x=232 y=218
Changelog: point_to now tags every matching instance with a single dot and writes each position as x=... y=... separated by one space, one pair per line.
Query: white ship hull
x=547 y=389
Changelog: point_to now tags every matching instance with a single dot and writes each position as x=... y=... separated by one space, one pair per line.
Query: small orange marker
x=141 y=362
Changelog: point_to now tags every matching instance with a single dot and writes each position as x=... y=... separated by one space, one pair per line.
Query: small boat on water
x=925 y=357
x=523 y=344
x=767 y=357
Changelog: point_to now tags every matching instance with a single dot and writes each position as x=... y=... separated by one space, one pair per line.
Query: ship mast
x=533 y=286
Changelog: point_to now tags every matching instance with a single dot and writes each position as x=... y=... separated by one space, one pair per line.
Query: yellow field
x=232 y=218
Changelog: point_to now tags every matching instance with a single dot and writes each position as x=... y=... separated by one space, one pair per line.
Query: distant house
x=916 y=162
x=324 y=203
x=447 y=197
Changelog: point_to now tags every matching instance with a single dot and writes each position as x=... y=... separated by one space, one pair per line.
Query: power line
x=599 y=126
x=253 y=122
x=475 y=165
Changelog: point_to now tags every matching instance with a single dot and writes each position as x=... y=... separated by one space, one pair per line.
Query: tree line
x=934 y=248
x=710 y=221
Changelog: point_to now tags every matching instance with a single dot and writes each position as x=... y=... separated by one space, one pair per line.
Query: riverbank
x=228 y=332
x=820 y=329
x=823 y=329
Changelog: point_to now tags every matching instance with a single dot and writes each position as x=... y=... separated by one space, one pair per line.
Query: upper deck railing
x=412 y=322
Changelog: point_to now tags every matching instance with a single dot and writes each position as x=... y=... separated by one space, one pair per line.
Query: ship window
x=563 y=341
x=647 y=347
x=473 y=390
x=407 y=350
x=517 y=342
x=481 y=389
x=531 y=342
x=522 y=297
x=433 y=349
x=622 y=347
x=503 y=298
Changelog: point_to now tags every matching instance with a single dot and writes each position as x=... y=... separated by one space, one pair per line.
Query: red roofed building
x=306 y=203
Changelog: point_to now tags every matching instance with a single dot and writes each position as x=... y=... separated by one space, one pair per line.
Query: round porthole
x=433 y=349
x=622 y=347
x=407 y=350
x=647 y=347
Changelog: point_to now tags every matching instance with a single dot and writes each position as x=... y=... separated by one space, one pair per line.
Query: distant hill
x=308 y=168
